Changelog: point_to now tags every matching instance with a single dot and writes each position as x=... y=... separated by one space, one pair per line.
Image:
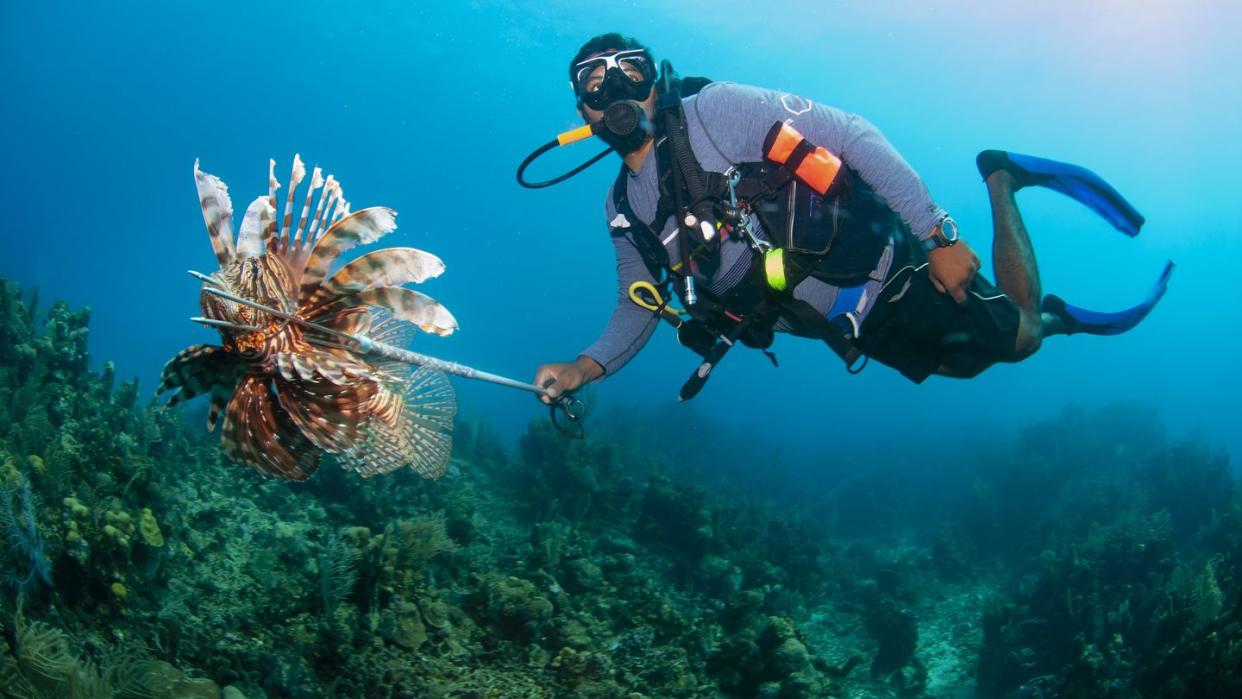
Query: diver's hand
x=952 y=269
x=559 y=378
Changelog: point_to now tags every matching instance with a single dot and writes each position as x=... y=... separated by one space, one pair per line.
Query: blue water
x=104 y=108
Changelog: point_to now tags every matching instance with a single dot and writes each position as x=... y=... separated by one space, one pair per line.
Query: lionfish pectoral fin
x=196 y=370
x=389 y=330
x=261 y=436
x=329 y=416
x=411 y=426
x=430 y=407
x=219 y=400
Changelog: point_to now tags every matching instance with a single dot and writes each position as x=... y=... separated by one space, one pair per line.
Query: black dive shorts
x=916 y=329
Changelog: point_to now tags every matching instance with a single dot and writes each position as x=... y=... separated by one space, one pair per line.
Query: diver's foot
x=1073 y=181
x=1061 y=318
x=1052 y=324
x=1057 y=319
x=992 y=161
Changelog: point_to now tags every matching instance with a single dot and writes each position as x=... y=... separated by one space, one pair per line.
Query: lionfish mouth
x=288 y=393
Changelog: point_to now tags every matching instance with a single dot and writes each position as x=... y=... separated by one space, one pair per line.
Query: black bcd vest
x=837 y=238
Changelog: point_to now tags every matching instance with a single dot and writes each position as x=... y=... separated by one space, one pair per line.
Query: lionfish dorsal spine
x=213 y=197
x=359 y=228
x=273 y=184
x=315 y=183
x=258 y=218
x=285 y=237
x=326 y=199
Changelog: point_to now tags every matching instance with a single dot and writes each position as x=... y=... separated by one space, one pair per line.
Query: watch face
x=951 y=225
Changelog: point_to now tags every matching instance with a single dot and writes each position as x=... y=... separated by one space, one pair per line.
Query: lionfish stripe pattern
x=405 y=304
x=359 y=228
x=421 y=418
x=289 y=393
x=213 y=197
x=389 y=267
x=196 y=370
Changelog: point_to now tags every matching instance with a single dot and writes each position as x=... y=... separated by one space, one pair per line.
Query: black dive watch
x=939 y=238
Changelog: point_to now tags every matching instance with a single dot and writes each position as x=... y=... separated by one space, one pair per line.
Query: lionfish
x=288 y=391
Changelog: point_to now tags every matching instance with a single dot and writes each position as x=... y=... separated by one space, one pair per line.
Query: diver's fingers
x=545 y=377
x=958 y=292
x=972 y=271
x=564 y=382
x=936 y=284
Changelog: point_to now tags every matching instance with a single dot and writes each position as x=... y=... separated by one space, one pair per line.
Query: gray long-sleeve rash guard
x=727 y=124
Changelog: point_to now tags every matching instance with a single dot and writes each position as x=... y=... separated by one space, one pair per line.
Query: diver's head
x=608 y=69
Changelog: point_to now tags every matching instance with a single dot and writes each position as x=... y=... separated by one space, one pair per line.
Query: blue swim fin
x=1081 y=320
x=1073 y=181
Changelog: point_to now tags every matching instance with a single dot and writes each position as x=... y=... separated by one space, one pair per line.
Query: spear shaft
x=363 y=344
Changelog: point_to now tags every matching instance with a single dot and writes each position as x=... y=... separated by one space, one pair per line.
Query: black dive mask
x=625 y=82
x=627 y=75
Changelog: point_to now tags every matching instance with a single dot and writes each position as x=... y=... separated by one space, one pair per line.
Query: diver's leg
x=1073 y=181
x=1017 y=274
x=1006 y=173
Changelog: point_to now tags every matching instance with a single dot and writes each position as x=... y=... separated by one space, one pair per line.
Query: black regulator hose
x=624 y=125
x=555 y=180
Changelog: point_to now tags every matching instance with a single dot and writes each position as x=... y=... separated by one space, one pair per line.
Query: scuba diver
x=764 y=212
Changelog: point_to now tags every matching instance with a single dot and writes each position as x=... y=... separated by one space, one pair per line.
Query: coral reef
x=1093 y=557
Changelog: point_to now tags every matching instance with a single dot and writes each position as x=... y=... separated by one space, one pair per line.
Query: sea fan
x=18 y=515
x=288 y=390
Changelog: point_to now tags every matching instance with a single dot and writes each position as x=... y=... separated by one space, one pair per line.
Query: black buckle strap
x=712 y=358
x=833 y=335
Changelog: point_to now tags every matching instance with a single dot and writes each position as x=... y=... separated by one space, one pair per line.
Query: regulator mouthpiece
x=625 y=126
